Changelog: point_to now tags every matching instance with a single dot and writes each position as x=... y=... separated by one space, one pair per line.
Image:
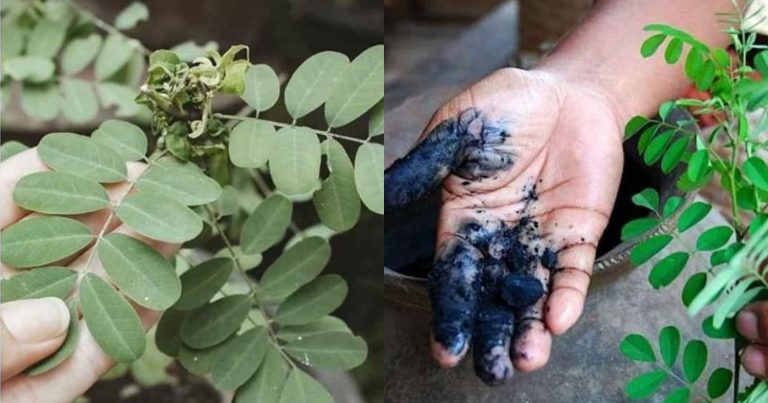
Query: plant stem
x=230 y=248
x=690 y=386
x=105 y=26
x=280 y=124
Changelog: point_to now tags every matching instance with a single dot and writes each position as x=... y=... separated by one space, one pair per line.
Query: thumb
x=30 y=330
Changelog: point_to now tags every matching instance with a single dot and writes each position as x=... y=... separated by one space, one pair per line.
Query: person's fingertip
x=532 y=348
x=563 y=310
x=449 y=356
x=746 y=324
x=754 y=361
x=36 y=320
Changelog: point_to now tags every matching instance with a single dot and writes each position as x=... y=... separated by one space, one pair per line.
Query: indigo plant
x=737 y=251
x=198 y=178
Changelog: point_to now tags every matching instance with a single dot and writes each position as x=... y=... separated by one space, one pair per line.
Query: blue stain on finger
x=469 y=146
x=453 y=293
x=520 y=291
x=494 y=325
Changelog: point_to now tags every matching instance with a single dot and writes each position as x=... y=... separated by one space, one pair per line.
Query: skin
x=87 y=363
x=752 y=323
x=539 y=146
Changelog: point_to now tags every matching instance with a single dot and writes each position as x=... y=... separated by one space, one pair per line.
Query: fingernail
x=754 y=361
x=36 y=320
x=746 y=324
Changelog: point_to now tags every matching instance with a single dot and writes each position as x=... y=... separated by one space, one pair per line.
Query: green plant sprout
x=738 y=251
x=209 y=178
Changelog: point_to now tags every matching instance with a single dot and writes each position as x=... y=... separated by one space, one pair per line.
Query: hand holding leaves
x=529 y=175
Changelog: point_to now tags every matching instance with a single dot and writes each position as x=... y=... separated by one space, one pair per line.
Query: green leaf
x=167 y=334
x=667 y=269
x=669 y=345
x=302 y=388
x=637 y=348
x=262 y=87
x=648 y=198
x=29 y=68
x=313 y=82
x=41 y=101
x=46 y=38
x=79 y=53
x=11 y=148
x=78 y=103
x=693 y=287
x=657 y=146
x=633 y=126
x=13 y=37
x=38 y=283
x=651 y=45
x=719 y=382
x=724 y=255
x=159 y=217
x=328 y=324
x=694 y=359
x=645 y=250
x=247 y=261
x=200 y=361
x=265 y=386
x=124 y=138
x=111 y=320
x=39 y=241
x=200 y=283
x=184 y=183
x=680 y=395
x=234 y=78
x=673 y=51
x=674 y=154
x=66 y=349
x=267 y=225
x=359 y=89
x=121 y=97
x=638 y=227
x=59 y=193
x=313 y=301
x=337 y=351
x=698 y=165
x=131 y=15
x=139 y=271
x=714 y=238
x=213 y=323
x=240 y=359
x=337 y=202
x=295 y=160
x=693 y=63
x=692 y=215
x=643 y=386
x=756 y=170
x=706 y=76
x=80 y=155
x=369 y=176
x=115 y=53
x=251 y=143
x=228 y=203
x=671 y=205
x=376 y=122
x=295 y=267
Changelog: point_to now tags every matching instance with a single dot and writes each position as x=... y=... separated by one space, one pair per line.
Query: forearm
x=605 y=50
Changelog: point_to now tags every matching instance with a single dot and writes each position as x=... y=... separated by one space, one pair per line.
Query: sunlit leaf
x=38 y=283
x=647 y=249
x=139 y=271
x=262 y=87
x=313 y=82
x=358 y=90
x=667 y=269
x=756 y=170
x=637 y=348
x=669 y=345
x=638 y=227
x=59 y=193
x=124 y=138
x=648 y=198
x=295 y=160
x=714 y=238
x=652 y=44
x=111 y=320
x=250 y=143
x=159 y=217
x=39 y=241
x=692 y=215
x=694 y=359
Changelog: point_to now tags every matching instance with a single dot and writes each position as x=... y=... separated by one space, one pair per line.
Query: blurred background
x=282 y=34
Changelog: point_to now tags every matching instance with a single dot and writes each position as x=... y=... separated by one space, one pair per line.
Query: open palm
x=530 y=167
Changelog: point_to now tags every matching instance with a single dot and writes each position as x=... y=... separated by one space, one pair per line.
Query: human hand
x=88 y=362
x=752 y=323
x=530 y=165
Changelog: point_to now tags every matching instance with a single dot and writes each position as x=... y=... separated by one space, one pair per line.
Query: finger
x=494 y=325
x=570 y=282
x=752 y=322
x=11 y=170
x=25 y=341
x=755 y=360
x=88 y=362
x=418 y=173
x=533 y=340
x=452 y=291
